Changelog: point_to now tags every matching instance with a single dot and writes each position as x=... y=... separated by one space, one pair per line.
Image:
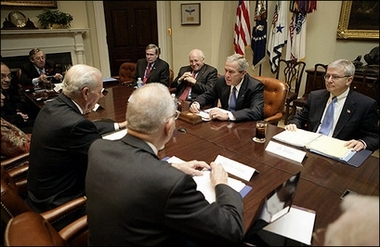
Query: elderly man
x=136 y=199
x=194 y=79
x=241 y=96
x=61 y=138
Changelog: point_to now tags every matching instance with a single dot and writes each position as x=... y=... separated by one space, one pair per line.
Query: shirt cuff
x=365 y=144
x=116 y=125
x=231 y=116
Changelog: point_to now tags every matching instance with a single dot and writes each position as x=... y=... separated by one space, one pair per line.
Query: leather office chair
x=12 y=204
x=31 y=229
x=17 y=168
x=291 y=72
x=127 y=72
x=275 y=93
x=300 y=102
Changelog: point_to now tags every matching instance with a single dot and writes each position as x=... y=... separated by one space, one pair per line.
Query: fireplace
x=63 y=46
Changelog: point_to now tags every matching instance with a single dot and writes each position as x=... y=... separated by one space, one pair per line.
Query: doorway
x=130 y=26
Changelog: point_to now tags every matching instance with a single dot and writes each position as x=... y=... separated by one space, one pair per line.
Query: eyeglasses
x=3 y=76
x=334 y=77
x=176 y=114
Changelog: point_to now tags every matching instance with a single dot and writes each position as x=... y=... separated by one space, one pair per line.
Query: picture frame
x=358 y=20
x=46 y=4
x=191 y=14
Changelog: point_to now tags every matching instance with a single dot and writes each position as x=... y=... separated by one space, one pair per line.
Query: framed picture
x=359 y=20
x=47 y=4
x=191 y=14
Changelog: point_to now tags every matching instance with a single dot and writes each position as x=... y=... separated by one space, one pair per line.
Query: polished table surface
x=322 y=182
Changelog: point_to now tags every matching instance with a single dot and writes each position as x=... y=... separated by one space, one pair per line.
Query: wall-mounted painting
x=46 y=4
x=359 y=20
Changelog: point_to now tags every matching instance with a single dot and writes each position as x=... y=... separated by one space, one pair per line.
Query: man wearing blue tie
x=354 y=117
x=241 y=96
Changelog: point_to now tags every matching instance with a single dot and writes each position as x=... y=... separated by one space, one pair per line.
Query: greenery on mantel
x=51 y=18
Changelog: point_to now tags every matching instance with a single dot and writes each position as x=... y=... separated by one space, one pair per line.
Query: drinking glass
x=261 y=129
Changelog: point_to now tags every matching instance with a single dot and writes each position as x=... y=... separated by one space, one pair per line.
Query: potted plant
x=53 y=18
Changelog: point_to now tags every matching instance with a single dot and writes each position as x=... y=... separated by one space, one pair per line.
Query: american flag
x=242 y=36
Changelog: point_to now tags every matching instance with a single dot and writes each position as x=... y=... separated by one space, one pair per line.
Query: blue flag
x=259 y=33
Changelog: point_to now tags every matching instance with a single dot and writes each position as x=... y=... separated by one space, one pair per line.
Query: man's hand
x=193 y=168
x=291 y=127
x=218 y=174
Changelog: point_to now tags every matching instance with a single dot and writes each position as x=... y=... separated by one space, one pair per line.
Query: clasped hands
x=187 y=76
x=45 y=78
x=195 y=168
x=355 y=145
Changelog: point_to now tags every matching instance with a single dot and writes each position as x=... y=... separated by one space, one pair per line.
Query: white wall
x=215 y=34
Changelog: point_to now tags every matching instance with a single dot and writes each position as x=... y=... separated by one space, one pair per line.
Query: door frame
x=164 y=38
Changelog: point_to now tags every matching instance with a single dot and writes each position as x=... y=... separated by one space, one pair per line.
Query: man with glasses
x=38 y=70
x=152 y=68
x=354 y=116
x=241 y=96
x=136 y=199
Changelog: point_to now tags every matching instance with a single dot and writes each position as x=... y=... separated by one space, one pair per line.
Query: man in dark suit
x=136 y=199
x=60 y=140
x=38 y=70
x=152 y=68
x=196 y=78
x=355 y=116
x=246 y=103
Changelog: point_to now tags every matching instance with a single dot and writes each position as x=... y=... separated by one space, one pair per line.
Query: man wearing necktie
x=152 y=68
x=38 y=68
x=354 y=117
x=249 y=93
x=195 y=78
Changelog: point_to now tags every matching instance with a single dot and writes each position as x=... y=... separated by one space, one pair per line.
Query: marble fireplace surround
x=16 y=43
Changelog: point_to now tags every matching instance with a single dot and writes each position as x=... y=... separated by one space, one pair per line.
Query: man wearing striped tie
x=241 y=96
x=353 y=116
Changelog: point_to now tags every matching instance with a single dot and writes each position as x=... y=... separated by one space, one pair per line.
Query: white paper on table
x=236 y=168
x=115 y=135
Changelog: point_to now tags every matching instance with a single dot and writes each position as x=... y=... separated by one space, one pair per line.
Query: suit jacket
x=29 y=72
x=249 y=102
x=206 y=79
x=58 y=154
x=159 y=73
x=358 y=119
x=136 y=199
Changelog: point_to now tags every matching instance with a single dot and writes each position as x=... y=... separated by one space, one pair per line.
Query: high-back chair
x=274 y=98
x=31 y=229
x=291 y=72
x=127 y=72
x=317 y=76
x=12 y=204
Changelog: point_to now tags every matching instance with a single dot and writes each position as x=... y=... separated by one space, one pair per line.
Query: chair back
x=318 y=67
x=171 y=77
x=274 y=98
x=291 y=71
x=127 y=72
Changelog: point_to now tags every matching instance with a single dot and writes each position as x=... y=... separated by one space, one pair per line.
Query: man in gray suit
x=355 y=116
x=196 y=78
x=136 y=199
x=60 y=140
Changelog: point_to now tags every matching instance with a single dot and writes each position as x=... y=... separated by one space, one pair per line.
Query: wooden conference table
x=322 y=182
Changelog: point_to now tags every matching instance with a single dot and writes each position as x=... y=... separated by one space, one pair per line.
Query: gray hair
x=153 y=46
x=149 y=107
x=198 y=53
x=349 y=67
x=242 y=62
x=78 y=77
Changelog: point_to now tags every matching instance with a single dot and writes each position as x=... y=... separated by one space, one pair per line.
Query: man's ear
x=168 y=126
x=85 y=91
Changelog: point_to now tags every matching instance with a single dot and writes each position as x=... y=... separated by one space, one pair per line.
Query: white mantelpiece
x=20 y=42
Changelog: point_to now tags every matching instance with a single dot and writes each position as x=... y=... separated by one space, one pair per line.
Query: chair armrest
x=65 y=209
x=274 y=119
x=76 y=231
x=9 y=163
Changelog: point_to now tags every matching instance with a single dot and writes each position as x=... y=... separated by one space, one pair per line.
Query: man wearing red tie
x=152 y=68
x=196 y=78
x=38 y=68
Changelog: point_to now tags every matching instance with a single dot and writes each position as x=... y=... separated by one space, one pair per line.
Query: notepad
x=324 y=145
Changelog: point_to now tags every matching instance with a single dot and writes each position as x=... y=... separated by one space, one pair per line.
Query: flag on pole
x=259 y=33
x=278 y=34
x=242 y=36
x=296 y=46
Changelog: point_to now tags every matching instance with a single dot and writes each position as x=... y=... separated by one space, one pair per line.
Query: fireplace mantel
x=20 y=42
